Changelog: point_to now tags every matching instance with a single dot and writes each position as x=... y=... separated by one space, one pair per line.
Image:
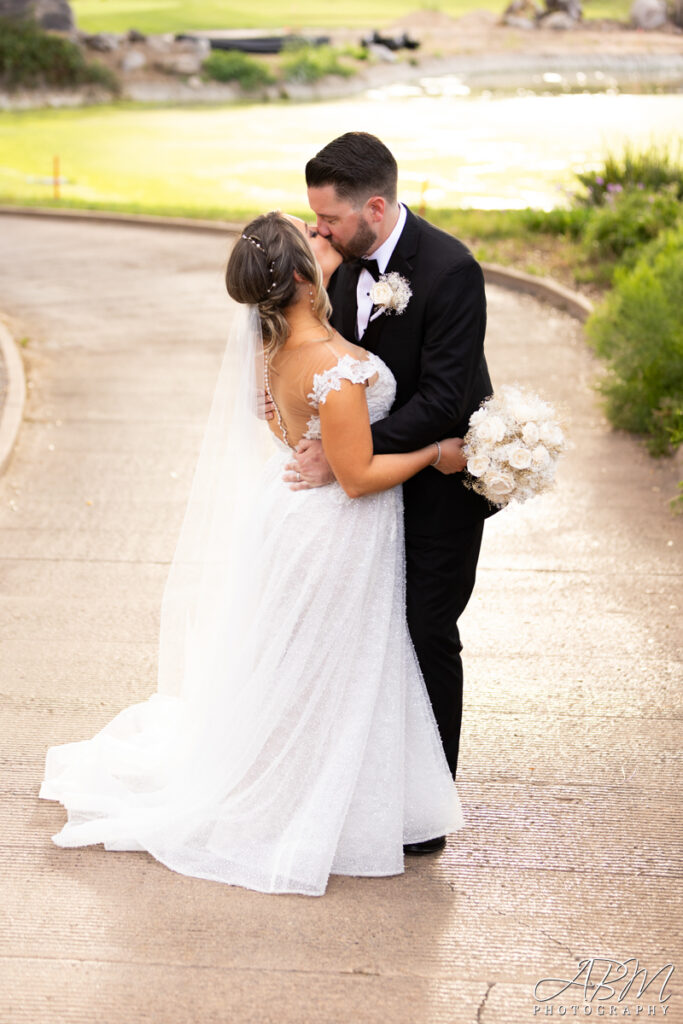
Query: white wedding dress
x=319 y=754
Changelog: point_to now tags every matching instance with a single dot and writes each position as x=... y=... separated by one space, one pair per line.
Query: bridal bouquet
x=512 y=447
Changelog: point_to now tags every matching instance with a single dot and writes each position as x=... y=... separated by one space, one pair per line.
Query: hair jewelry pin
x=255 y=241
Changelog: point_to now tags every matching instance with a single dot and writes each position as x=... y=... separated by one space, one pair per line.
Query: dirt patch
x=482 y=32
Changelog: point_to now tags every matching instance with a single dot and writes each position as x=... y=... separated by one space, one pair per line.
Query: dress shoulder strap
x=347 y=367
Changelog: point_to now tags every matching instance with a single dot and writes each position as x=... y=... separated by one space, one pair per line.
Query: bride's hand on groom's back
x=453 y=459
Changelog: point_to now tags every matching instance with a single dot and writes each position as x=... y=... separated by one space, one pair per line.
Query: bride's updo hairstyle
x=261 y=271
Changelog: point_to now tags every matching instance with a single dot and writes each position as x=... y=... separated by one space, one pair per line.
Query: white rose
x=478 y=465
x=522 y=412
x=483 y=431
x=519 y=457
x=498 y=485
x=531 y=434
x=551 y=435
x=381 y=293
x=477 y=417
x=491 y=429
x=540 y=456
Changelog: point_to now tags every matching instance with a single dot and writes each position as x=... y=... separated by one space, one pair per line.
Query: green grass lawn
x=168 y=16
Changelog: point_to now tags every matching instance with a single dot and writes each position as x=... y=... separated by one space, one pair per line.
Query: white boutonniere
x=390 y=294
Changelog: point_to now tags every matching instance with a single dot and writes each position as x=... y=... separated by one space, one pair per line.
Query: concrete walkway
x=569 y=759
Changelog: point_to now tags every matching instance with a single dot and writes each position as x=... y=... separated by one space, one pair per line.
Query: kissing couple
x=307 y=715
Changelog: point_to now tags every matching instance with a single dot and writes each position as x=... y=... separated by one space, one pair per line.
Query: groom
x=435 y=349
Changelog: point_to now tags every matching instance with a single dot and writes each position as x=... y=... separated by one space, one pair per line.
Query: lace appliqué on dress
x=313 y=431
x=348 y=368
x=380 y=394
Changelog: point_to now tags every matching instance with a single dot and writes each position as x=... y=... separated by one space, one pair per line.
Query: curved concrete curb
x=140 y=219
x=13 y=405
x=543 y=288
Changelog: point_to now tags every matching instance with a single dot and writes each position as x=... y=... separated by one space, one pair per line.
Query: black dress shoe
x=428 y=846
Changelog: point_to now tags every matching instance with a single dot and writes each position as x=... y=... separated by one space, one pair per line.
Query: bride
x=290 y=736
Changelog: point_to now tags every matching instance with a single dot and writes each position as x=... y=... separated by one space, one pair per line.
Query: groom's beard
x=363 y=240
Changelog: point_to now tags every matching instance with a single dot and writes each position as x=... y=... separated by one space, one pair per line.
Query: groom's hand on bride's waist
x=309 y=467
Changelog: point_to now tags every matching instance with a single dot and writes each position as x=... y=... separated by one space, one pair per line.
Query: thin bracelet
x=438 y=456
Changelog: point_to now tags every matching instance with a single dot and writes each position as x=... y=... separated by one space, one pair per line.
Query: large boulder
x=572 y=8
x=53 y=14
x=648 y=14
x=103 y=42
x=133 y=60
x=559 y=21
x=179 y=63
x=522 y=14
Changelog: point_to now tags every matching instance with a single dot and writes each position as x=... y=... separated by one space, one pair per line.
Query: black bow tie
x=371 y=266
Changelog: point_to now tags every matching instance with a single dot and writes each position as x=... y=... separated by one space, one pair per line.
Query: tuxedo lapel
x=345 y=302
x=400 y=262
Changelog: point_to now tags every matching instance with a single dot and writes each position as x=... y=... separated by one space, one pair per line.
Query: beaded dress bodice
x=296 y=395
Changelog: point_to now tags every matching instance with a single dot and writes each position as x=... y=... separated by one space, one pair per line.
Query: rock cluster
x=134 y=51
x=648 y=15
x=555 y=14
x=52 y=14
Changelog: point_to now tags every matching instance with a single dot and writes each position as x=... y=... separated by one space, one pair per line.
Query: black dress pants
x=440 y=574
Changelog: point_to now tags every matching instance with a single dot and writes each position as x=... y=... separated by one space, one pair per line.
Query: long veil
x=212 y=556
x=146 y=764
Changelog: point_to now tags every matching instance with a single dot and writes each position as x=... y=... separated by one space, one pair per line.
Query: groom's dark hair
x=358 y=165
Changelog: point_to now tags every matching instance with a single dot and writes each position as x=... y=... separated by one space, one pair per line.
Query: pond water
x=486 y=150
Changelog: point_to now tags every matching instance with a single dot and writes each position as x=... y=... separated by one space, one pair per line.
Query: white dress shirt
x=365 y=279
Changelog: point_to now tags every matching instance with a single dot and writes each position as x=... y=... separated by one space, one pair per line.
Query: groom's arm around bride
x=435 y=348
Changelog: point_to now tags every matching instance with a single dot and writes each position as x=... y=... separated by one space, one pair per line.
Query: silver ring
x=298 y=477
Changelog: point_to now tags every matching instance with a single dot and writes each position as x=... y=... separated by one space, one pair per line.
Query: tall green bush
x=30 y=57
x=638 y=331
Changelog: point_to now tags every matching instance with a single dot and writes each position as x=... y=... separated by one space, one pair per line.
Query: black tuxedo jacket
x=435 y=349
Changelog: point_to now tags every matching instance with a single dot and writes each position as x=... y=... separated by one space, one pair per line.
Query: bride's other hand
x=265 y=408
x=453 y=459
x=309 y=468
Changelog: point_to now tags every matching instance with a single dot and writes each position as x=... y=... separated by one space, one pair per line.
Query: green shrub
x=355 y=52
x=30 y=58
x=638 y=330
x=560 y=221
x=629 y=220
x=302 y=63
x=653 y=169
x=234 y=66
